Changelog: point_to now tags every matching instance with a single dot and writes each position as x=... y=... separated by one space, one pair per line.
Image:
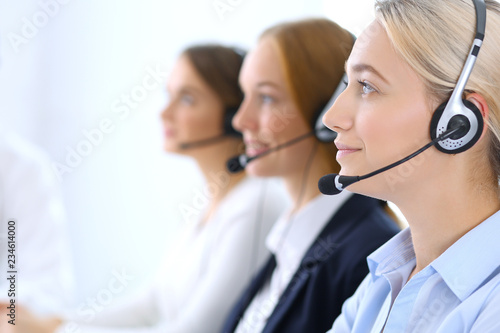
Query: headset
x=458 y=111
x=456 y=125
x=323 y=133
x=229 y=130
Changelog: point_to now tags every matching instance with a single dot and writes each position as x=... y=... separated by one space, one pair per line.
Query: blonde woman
x=442 y=274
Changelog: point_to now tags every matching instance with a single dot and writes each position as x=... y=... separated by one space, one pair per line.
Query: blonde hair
x=312 y=53
x=434 y=37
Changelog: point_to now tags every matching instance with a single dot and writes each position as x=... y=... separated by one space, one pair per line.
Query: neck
x=438 y=219
x=302 y=185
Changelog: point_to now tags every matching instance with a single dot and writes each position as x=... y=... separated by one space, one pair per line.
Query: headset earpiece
x=231 y=111
x=469 y=118
x=228 y=119
x=323 y=133
x=458 y=112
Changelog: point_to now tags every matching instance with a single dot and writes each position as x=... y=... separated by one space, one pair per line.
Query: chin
x=171 y=147
x=345 y=171
x=258 y=169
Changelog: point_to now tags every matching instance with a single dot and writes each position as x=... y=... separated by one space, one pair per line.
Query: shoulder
x=268 y=190
x=14 y=146
x=251 y=206
x=256 y=198
x=20 y=155
x=24 y=164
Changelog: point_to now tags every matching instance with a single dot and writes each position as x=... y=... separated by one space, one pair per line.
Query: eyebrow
x=267 y=83
x=189 y=90
x=358 y=68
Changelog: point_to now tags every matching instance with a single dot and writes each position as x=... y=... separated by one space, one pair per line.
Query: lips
x=254 y=147
x=168 y=131
x=344 y=150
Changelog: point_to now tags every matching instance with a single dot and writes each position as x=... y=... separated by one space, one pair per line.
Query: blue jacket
x=329 y=272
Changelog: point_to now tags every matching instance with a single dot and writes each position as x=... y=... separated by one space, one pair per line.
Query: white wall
x=68 y=75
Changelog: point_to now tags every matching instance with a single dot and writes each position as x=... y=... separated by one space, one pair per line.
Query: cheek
x=282 y=123
x=392 y=136
x=271 y=127
x=185 y=125
x=376 y=136
x=197 y=124
x=275 y=130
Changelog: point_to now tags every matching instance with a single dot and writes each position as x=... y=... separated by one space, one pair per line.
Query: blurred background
x=85 y=81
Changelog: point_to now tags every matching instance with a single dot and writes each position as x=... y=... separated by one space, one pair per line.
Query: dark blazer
x=329 y=273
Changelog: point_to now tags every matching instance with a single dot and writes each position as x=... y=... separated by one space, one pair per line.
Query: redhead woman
x=319 y=246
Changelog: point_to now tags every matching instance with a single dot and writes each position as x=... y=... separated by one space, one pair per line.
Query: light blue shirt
x=457 y=292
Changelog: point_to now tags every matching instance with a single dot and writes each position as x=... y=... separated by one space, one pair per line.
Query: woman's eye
x=367 y=88
x=266 y=99
x=187 y=99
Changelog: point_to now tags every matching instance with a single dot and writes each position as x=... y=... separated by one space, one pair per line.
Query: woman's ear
x=479 y=101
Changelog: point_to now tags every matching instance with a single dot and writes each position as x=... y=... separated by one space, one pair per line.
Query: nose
x=245 y=117
x=167 y=111
x=339 y=118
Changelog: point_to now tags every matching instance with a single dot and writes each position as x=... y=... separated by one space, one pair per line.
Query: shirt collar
x=395 y=253
x=475 y=255
x=293 y=234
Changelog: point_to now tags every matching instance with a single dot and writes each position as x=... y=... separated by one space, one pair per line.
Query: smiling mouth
x=255 y=148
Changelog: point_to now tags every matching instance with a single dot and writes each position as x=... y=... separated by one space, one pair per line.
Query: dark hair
x=219 y=66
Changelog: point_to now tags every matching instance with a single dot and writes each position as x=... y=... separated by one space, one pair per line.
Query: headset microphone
x=334 y=183
x=238 y=163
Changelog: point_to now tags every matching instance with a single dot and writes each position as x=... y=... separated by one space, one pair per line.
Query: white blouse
x=289 y=240
x=204 y=272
